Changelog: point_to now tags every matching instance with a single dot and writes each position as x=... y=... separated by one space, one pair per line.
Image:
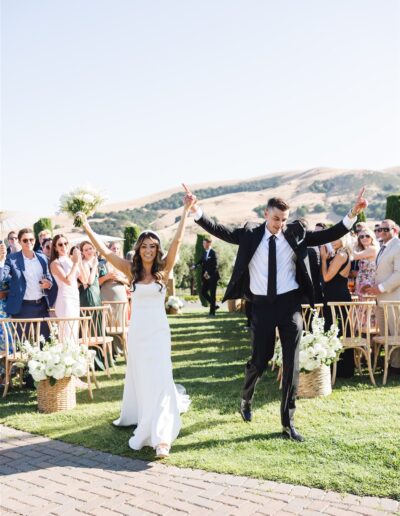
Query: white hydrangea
x=56 y=359
x=316 y=347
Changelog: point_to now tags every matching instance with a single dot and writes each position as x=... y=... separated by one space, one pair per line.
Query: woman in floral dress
x=365 y=250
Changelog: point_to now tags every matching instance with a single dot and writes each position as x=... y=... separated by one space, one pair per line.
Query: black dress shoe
x=289 y=432
x=245 y=411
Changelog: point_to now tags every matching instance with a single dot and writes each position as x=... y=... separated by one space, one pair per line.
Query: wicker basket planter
x=173 y=311
x=316 y=383
x=58 y=397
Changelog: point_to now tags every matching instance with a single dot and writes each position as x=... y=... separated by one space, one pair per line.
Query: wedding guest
x=113 y=285
x=46 y=250
x=365 y=252
x=29 y=282
x=151 y=400
x=45 y=233
x=387 y=278
x=209 y=274
x=314 y=257
x=13 y=244
x=66 y=272
x=335 y=272
x=89 y=293
x=46 y=247
x=29 y=278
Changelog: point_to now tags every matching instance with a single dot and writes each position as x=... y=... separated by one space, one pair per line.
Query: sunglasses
x=48 y=247
x=62 y=244
x=12 y=238
x=385 y=230
x=364 y=236
x=26 y=240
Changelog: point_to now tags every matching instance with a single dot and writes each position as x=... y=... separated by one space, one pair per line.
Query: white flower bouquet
x=174 y=302
x=316 y=347
x=80 y=199
x=57 y=360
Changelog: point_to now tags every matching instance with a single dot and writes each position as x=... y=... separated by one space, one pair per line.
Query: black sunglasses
x=385 y=230
x=26 y=240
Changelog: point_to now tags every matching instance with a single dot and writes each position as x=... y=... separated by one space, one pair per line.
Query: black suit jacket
x=209 y=265
x=248 y=239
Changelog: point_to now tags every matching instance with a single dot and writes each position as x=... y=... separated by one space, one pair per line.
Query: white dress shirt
x=33 y=274
x=286 y=270
x=286 y=261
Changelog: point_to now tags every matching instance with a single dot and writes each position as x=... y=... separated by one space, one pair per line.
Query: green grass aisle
x=352 y=437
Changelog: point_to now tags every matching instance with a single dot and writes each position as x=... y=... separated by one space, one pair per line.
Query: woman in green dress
x=89 y=293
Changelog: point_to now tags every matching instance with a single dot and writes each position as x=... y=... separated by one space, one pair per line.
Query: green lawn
x=352 y=437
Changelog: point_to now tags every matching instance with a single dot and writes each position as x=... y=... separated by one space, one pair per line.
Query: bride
x=150 y=400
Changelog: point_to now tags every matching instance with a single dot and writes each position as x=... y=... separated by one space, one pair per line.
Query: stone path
x=40 y=476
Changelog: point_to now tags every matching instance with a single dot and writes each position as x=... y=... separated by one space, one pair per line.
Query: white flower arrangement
x=57 y=360
x=81 y=199
x=316 y=347
x=174 y=302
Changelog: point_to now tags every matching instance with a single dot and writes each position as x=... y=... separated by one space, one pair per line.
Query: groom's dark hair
x=277 y=202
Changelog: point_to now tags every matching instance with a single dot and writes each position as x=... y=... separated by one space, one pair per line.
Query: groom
x=272 y=270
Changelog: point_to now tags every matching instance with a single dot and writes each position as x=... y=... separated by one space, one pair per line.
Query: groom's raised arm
x=232 y=236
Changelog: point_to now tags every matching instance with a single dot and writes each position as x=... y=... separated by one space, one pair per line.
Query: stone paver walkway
x=40 y=476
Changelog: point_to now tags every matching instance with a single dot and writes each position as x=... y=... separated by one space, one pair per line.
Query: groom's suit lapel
x=290 y=238
x=257 y=235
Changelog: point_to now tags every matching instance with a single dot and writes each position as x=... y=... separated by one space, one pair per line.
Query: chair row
x=96 y=328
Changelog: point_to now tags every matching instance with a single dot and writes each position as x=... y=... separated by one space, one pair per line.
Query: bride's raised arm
x=119 y=263
x=178 y=238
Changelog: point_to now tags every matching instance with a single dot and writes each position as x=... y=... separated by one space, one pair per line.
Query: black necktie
x=271 y=294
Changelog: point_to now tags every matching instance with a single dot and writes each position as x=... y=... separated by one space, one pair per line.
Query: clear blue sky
x=135 y=96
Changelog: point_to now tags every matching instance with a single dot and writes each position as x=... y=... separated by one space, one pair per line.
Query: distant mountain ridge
x=318 y=194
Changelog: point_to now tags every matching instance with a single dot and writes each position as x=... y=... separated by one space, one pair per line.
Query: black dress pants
x=283 y=313
x=208 y=291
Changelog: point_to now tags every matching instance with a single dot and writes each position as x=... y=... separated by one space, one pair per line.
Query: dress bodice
x=148 y=296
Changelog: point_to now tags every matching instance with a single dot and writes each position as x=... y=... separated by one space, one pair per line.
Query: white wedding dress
x=151 y=400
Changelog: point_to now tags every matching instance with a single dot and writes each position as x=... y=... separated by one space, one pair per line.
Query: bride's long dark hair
x=157 y=269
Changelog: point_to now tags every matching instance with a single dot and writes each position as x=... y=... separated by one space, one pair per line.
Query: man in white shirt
x=29 y=277
x=272 y=270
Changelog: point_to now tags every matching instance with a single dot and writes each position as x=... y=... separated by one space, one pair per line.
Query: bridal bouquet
x=80 y=199
x=316 y=347
x=57 y=360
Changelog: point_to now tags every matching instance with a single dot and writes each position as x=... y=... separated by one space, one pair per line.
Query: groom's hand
x=190 y=199
x=360 y=204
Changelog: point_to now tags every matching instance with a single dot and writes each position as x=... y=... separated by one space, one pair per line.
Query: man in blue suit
x=29 y=279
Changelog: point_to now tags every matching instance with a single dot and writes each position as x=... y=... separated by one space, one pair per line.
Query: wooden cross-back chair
x=354 y=321
x=97 y=337
x=117 y=322
x=389 y=340
x=15 y=333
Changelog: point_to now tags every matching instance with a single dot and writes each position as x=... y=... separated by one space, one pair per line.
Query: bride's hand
x=190 y=200
x=82 y=217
